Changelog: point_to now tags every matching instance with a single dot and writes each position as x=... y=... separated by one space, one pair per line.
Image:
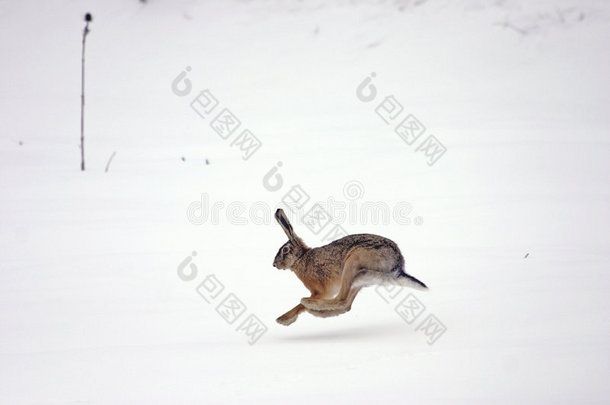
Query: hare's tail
x=368 y=278
x=407 y=280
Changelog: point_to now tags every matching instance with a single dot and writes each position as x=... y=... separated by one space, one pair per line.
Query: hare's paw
x=286 y=319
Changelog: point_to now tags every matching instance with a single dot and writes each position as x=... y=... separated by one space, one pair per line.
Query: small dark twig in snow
x=109 y=161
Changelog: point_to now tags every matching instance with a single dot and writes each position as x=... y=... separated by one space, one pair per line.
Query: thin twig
x=109 y=161
x=82 y=96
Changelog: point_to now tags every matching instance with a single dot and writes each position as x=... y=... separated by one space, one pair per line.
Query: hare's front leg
x=291 y=316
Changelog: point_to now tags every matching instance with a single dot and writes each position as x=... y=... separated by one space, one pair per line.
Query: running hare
x=335 y=273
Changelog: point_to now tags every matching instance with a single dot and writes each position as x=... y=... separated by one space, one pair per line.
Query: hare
x=335 y=273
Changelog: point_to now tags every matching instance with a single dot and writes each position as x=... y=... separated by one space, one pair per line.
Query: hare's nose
x=274 y=265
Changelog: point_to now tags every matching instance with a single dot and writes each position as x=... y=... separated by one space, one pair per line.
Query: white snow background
x=92 y=310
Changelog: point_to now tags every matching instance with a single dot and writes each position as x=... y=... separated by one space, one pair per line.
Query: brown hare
x=335 y=273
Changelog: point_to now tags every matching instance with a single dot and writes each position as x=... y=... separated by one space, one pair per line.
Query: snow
x=509 y=227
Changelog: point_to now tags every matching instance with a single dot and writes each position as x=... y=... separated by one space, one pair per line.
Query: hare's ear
x=285 y=224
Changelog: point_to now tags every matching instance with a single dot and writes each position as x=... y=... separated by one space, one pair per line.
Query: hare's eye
x=285 y=250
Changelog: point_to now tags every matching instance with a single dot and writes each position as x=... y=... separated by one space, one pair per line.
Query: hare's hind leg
x=351 y=270
x=338 y=311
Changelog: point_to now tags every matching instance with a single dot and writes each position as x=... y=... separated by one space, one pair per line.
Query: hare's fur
x=335 y=273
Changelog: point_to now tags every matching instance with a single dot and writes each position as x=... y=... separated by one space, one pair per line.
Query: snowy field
x=504 y=212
